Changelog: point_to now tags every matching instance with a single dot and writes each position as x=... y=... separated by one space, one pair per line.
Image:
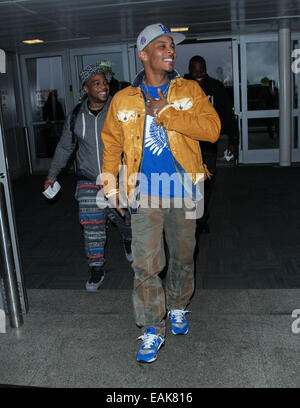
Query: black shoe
x=127 y=250
x=97 y=275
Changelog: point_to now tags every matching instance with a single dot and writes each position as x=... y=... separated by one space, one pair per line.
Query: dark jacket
x=219 y=97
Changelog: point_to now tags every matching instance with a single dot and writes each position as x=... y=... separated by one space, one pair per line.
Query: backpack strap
x=73 y=120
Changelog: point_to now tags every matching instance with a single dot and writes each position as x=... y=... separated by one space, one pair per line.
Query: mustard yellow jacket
x=188 y=118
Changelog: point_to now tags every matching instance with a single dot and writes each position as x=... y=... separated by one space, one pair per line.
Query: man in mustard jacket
x=152 y=158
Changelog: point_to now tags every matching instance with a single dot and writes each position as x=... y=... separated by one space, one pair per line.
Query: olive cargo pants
x=151 y=300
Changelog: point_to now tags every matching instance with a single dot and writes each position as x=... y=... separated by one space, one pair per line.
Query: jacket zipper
x=99 y=167
x=83 y=125
x=97 y=144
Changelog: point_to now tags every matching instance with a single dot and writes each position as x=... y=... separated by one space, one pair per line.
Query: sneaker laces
x=148 y=340
x=178 y=315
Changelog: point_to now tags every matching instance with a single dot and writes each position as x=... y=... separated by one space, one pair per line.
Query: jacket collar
x=138 y=80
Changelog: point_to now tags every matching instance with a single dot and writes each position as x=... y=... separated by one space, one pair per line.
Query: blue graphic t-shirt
x=159 y=176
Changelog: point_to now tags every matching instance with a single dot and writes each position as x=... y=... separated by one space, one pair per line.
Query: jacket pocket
x=126 y=115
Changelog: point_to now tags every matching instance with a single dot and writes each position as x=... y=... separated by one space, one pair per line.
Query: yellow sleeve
x=192 y=116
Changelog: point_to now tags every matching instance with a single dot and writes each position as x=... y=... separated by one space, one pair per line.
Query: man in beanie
x=82 y=129
x=156 y=124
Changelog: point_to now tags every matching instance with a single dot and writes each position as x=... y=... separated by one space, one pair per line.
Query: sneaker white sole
x=93 y=287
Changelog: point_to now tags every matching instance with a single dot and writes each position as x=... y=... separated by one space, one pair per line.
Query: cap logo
x=164 y=29
x=143 y=40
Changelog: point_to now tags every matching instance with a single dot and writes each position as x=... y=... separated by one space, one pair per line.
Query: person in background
x=54 y=116
x=83 y=130
x=219 y=98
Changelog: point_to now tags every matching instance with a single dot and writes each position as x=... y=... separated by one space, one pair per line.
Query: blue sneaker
x=179 y=324
x=151 y=344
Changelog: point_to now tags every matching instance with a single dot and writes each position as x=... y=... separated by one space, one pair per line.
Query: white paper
x=51 y=192
x=227 y=156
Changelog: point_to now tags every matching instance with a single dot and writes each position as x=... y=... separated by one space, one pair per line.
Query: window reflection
x=44 y=76
x=46 y=89
x=262 y=76
x=263 y=133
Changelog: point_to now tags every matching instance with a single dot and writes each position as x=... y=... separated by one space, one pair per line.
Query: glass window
x=46 y=88
x=262 y=75
x=218 y=57
x=263 y=133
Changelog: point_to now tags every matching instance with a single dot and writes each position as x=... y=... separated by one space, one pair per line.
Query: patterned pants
x=150 y=299
x=94 y=219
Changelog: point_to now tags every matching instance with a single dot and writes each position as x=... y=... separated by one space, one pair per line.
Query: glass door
x=260 y=99
x=45 y=85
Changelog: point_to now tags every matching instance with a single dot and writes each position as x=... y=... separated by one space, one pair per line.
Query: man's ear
x=85 y=88
x=143 y=55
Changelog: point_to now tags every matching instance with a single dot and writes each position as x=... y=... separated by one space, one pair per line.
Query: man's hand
x=154 y=105
x=231 y=149
x=48 y=182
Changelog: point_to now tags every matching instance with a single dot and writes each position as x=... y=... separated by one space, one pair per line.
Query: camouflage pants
x=94 y=220
x=150 y=300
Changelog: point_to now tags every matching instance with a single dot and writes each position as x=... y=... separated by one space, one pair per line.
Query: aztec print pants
x=94 y=219
x=150 y=299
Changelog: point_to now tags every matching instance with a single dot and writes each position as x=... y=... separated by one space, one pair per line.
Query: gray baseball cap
x=154 y=31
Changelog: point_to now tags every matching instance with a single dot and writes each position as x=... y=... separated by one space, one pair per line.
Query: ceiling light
x=177 y=29
x=35 y=41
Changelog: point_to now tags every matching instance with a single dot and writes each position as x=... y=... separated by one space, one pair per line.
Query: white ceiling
x=74 y=23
